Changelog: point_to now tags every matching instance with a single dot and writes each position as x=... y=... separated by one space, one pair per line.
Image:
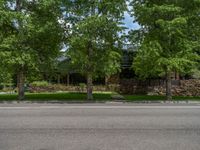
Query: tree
x=94 y=40
x=5 y=75
x=32 y=35
x=165 y=45
x=194 y=33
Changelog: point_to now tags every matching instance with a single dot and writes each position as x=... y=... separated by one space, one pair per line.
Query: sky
x=128 y=21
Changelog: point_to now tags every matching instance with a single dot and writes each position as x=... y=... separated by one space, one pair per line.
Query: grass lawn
x=56 y=96
x=132 y=98
x=106 y=96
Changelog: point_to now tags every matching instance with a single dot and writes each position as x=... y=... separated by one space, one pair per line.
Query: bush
x=196 y=74
x=37 y=88
x=6 y=87
x=1 y=87
x=40 y=83
x=82 y=86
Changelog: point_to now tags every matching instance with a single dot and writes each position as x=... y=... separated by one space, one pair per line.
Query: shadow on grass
x=83 y=97
x=158 y=98
x=56 y=96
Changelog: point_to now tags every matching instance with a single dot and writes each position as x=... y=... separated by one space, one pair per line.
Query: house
x=67 y=74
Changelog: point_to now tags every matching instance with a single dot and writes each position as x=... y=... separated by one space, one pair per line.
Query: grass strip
x=56 y=96
x=83 y=97
x=133 y=98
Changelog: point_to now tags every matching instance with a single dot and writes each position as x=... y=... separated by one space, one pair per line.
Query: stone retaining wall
x=157 y=87
x=59 y=87
x=133 y=86
x=186 y=88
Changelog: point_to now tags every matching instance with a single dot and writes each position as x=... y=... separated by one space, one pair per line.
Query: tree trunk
x=20 y=84
x=168 y=86
x=18 y=5
x=20 y=74
x=107 y=82
x=68 y=78
x=89 y=72
x=177 y=76
x=58 y=78
x=89 y=87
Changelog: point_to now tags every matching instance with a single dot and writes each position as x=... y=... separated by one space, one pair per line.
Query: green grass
x=106 y=96
x=56 y=96
x=132 y=98
x=8 y=97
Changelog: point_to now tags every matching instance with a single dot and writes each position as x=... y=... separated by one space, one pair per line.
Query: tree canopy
x=166 y=43
x=30 y=35
x=94 y=41
x=33 y=32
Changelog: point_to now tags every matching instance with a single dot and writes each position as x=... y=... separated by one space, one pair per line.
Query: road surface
x=99 y=127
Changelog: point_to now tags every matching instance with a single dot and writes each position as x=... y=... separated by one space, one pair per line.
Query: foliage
x=30 y=35
x=195 y=73
x=40 y=83
x=105 y=56
x=5 y=75
x=32 y=76
x=82 y=86
x=165 y=46
x=94 y=42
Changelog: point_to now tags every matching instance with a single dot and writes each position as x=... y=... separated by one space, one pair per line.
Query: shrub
x=1 y=87
x=40 y=83
x=82 y=86
x=196 y=74
x=7 y=89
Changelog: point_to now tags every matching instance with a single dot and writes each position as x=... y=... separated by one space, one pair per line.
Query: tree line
x=32 y=33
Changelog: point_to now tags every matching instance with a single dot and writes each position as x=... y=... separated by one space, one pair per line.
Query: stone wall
x=157 y=87
x=114 y=79
x=134 y=86
x=186 y=88
x=59 y=87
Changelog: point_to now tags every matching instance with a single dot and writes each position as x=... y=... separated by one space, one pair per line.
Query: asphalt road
x=99 y=127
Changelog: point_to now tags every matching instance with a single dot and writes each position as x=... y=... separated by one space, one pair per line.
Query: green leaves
x=30 y=36
x=147 y=56
x=94 y=40
x=166 y=46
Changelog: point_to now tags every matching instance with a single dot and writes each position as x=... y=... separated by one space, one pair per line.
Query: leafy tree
x=31 y=37
x=165 y=43
x=5 y=75
x=194 y=32
x=94 y=40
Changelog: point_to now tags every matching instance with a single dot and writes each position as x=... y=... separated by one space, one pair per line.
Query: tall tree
x=94 y=40
x=166 y=46
x=194 y=31
x=33 y=35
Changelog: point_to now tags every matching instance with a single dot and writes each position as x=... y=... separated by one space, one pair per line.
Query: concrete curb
x=100 y=102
